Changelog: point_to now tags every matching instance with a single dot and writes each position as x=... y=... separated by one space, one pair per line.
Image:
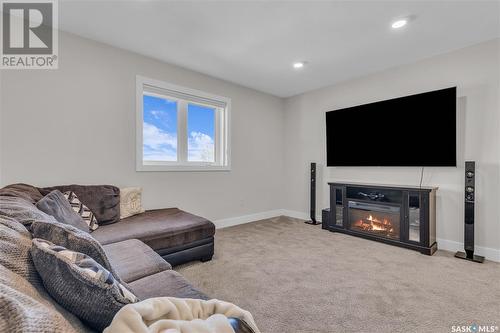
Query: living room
x=202 y=135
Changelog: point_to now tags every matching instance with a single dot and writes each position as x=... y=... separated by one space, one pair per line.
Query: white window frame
x=183 y=96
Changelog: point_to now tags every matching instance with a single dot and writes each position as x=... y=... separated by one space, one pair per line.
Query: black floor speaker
x=469 y=197
x=313 y=196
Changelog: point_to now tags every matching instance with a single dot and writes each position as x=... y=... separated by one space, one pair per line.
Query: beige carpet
x=296 y=278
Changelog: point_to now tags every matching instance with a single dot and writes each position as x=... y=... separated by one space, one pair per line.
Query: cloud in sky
x=200 y=147
x=156 y=113
x=158 y=145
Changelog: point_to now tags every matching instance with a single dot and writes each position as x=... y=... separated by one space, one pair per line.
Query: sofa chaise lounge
x=28 y=307
x=176 y=235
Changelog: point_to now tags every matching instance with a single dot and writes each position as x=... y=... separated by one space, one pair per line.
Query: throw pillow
x=80 y=284
x=82 y=210
x=73 y=239
x=130 y=201
x=57 y=205
x=102 y=200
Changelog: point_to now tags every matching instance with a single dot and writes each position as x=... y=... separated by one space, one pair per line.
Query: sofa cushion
x=132 y=260
x=25 y=191
x=80 y=284
x=56 y=205
x=160 y=229
x=167 y=283
x=22 y=211
x=102 y=200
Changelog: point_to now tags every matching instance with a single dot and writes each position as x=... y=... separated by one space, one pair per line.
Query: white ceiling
x=254 y=43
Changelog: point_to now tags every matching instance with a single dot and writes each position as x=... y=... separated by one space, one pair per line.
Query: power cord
x=421 y=177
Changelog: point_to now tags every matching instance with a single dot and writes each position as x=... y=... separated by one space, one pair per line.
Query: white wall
x=77 y=125
x=475 y=71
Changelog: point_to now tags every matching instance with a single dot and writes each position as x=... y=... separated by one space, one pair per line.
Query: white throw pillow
x=130 y=201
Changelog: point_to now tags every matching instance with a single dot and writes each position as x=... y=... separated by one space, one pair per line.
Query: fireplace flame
x=373 y=224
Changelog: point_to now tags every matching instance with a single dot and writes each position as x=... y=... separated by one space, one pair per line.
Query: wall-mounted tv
x=416 y=130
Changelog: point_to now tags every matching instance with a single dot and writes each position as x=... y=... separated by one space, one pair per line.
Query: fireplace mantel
x=396 y=186
x=399 y=215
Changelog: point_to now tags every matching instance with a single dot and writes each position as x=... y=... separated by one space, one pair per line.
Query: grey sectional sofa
x=25 y=305
x=176 y=235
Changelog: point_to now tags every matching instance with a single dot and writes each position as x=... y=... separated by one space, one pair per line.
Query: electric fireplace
x=377 y=219
x=397 y=215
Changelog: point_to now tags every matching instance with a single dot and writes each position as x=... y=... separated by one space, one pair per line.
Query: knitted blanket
x=178 y=315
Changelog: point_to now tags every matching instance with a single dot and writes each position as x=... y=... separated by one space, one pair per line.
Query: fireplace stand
x=404 y=216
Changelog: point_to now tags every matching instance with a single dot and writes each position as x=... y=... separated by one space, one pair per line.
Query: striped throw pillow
x=79 y=284
x=82 y=210
x=89 y=267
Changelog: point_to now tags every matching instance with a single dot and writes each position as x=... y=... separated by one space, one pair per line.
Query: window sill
x=181 y=168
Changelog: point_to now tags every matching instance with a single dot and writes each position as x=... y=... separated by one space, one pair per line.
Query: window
x=180 y=129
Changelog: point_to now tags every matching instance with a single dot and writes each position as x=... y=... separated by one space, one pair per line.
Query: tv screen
x=416 y=130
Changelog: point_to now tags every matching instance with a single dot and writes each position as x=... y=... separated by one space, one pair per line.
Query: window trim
x=222 y=138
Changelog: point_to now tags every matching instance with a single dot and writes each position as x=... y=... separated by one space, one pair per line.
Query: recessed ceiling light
x=399 y=23
x=299 y=64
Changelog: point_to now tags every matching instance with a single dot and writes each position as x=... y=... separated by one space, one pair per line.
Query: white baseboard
x=487 y=252
x=443 y=244
x=300 y=215
x=229 y=222
x=224 y=223
x=295 y=214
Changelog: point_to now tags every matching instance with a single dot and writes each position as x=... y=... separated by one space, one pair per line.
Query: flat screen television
x=416 y=130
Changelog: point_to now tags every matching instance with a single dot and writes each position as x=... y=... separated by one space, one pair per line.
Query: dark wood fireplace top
x=388 y=186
